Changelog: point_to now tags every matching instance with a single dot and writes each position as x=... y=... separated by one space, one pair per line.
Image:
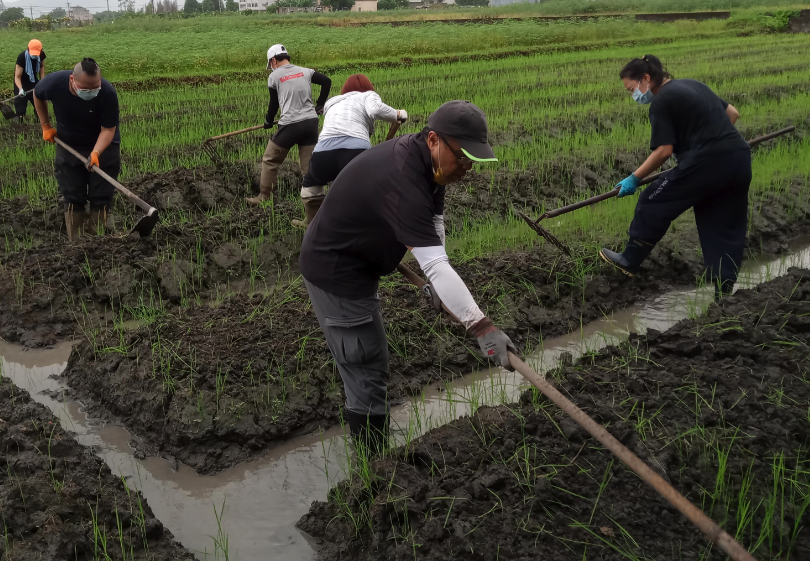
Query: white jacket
x=353 y=114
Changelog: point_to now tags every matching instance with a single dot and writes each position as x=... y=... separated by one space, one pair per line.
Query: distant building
x=255 y=6
x=430 y=3
x=77 y=13
x=364 y=6
x=262 y=5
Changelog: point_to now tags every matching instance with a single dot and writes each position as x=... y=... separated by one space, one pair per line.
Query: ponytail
x=648 y=64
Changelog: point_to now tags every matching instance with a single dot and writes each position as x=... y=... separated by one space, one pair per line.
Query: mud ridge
x=717 y=406
x=61 y=501
x=213 y=386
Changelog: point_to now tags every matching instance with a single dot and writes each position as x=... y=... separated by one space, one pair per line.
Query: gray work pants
x=356 y=336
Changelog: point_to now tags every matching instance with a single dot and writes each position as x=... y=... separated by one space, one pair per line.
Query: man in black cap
x=388 y=200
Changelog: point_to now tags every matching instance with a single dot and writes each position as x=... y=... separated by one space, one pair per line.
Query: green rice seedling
x=221 y=548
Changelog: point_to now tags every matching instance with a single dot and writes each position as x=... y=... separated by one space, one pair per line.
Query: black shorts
x=302 y=133
x=324 y=167
x=78 y=185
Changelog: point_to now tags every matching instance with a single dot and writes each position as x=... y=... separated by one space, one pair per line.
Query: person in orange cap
x=29 y=70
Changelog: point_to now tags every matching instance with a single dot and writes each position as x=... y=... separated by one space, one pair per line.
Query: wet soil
x=60 y=501
x=215 y=383
x=717 y=406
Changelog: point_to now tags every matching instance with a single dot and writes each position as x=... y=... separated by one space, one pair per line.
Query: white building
x=77 y=13
x=256 y=5
x=364 y=6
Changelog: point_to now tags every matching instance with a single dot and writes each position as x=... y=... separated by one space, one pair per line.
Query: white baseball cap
x=273 y=51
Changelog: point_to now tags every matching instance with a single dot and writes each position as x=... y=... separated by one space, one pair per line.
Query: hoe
x=146 y=224
x=534 y=224
x=7 y=110
x=706 y=525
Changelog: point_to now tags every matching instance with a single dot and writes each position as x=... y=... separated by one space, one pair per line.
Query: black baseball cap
x=465 y=122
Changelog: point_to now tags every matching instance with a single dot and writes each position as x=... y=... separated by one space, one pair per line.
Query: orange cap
x=34 y=47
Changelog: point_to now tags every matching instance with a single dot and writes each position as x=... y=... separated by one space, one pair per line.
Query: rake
x=534 y=224
x=209 y=149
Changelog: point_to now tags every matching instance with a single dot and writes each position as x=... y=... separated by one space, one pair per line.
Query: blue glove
x=628 y=185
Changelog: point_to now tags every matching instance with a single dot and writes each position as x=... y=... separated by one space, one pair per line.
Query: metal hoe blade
x=146 y=224
x=7 y=111
x=545 y=234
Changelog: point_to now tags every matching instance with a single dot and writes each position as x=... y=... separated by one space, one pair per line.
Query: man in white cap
x=291 y=91
x=387 y=200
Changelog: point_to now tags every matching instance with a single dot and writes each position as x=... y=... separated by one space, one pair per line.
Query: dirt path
x=58 y=500
x=718 y=406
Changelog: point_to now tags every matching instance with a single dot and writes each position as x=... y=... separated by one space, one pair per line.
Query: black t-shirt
x=382 y=203
x=26 y=82
x=79 y=122
x=690 y=116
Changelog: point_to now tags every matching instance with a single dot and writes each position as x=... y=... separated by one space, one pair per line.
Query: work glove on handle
x=48 y=133
x=402 y=115
x=628 y=185
x=93 y=159
x=494 y=343
x=22 y=93
x=268 y=123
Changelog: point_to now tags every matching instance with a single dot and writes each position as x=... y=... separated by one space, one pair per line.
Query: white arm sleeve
x=448 y=285
x=438 y=223
x=379 y=110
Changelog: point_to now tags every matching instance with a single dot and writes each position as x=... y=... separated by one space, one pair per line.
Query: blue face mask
x=643 y=98
x=87 y=95
x=34 y=57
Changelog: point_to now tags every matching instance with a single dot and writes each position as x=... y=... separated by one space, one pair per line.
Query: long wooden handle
x=412 y=277
x=234 y=133
x=392 y=130
x=647 y=180
x=706 y=525
x=132 y=197
x=16 y=96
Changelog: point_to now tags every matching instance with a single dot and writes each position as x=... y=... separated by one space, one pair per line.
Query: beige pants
x=274 y=156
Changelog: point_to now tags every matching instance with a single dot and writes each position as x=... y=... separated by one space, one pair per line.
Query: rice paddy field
x=200 y=341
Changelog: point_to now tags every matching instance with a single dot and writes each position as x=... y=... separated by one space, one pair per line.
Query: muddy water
x=263 y=499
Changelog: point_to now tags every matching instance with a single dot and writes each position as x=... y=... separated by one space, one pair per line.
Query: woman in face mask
x=29 y=70
x=712 y=176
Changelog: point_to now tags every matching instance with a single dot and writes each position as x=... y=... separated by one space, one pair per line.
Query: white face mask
x=86 y=95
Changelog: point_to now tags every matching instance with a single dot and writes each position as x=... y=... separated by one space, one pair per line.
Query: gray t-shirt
x=293 y=84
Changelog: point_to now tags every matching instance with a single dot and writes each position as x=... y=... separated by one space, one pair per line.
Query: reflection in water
x=264 y=498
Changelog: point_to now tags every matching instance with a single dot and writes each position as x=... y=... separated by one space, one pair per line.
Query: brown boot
x=74 y=221
x=96 y=222
x=273 y=158
x=311 y=206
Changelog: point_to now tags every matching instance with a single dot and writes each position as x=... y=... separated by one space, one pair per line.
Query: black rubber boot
x=628 y=261
x=369 y=433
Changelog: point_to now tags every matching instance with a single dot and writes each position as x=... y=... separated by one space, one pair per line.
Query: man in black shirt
x=86 y=110
x=29 y=70
x=291 y=91
x=388 y=200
